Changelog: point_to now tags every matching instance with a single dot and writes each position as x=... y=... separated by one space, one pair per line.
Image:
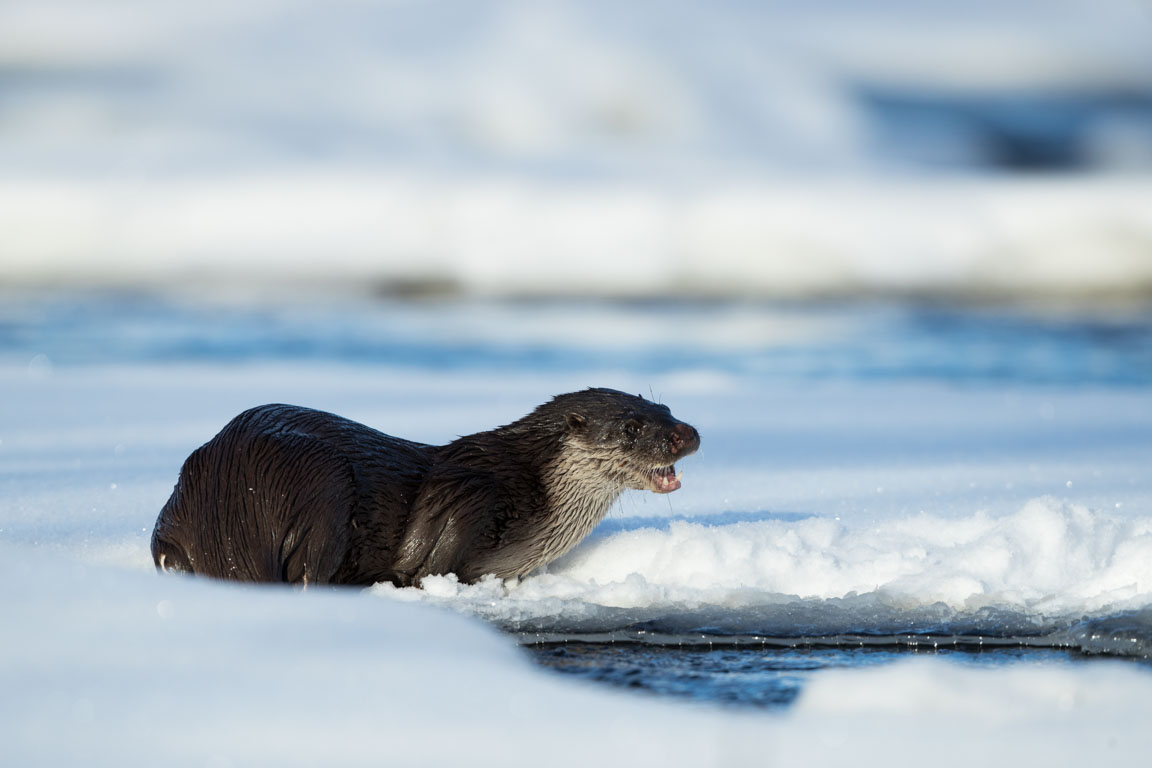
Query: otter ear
x=575 y=422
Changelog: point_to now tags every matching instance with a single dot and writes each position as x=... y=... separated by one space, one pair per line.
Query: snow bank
x=1073 y=237
x=1048 y=554
x=105 y=668
x=1022 y=573
x=513 y=147
x=952 y=716
x=108 y=668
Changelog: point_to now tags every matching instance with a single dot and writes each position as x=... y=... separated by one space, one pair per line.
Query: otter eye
x=633 y=428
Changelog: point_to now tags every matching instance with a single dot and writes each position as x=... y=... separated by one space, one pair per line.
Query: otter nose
x=684 y=439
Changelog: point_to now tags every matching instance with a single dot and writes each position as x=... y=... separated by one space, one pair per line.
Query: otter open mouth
x=663 y=479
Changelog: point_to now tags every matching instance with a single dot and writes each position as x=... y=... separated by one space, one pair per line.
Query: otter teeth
x=664 y=479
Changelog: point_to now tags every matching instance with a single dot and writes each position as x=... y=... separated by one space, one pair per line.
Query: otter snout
x=684 y=440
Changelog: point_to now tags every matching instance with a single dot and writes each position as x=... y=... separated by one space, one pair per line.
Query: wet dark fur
x=290 y=494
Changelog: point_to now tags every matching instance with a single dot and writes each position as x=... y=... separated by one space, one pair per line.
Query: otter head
x=634 y=441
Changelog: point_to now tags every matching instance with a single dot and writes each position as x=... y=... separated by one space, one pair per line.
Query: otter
x=290 y=494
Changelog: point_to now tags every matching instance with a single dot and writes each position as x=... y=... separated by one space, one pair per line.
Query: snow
x=1039 y=569
x=270 y=230
x=778 y=527
x=956 y=717
x=130 y=663
x=109 y=667
x=645 y=147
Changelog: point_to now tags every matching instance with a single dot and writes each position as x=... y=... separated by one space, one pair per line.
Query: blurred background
x=836 y=148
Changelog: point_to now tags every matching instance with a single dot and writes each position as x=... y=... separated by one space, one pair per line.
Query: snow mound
x=1046 y=564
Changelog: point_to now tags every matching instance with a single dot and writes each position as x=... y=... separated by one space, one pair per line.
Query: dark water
x=772 y=671
x=769 y=677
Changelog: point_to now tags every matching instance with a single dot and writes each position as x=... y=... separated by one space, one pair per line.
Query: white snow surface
x=512 y=147
x=108 y=667
x=1048 y=560
x=823 y=506
x=767 y=237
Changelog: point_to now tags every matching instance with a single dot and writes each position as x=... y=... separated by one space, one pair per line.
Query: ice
x=779 y=528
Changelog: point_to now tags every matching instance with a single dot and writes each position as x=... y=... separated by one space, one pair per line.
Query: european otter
x=290 y=494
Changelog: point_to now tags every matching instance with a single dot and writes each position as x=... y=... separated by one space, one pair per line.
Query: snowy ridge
x=1035 y=571
x=237 y=675
x=768 y=238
